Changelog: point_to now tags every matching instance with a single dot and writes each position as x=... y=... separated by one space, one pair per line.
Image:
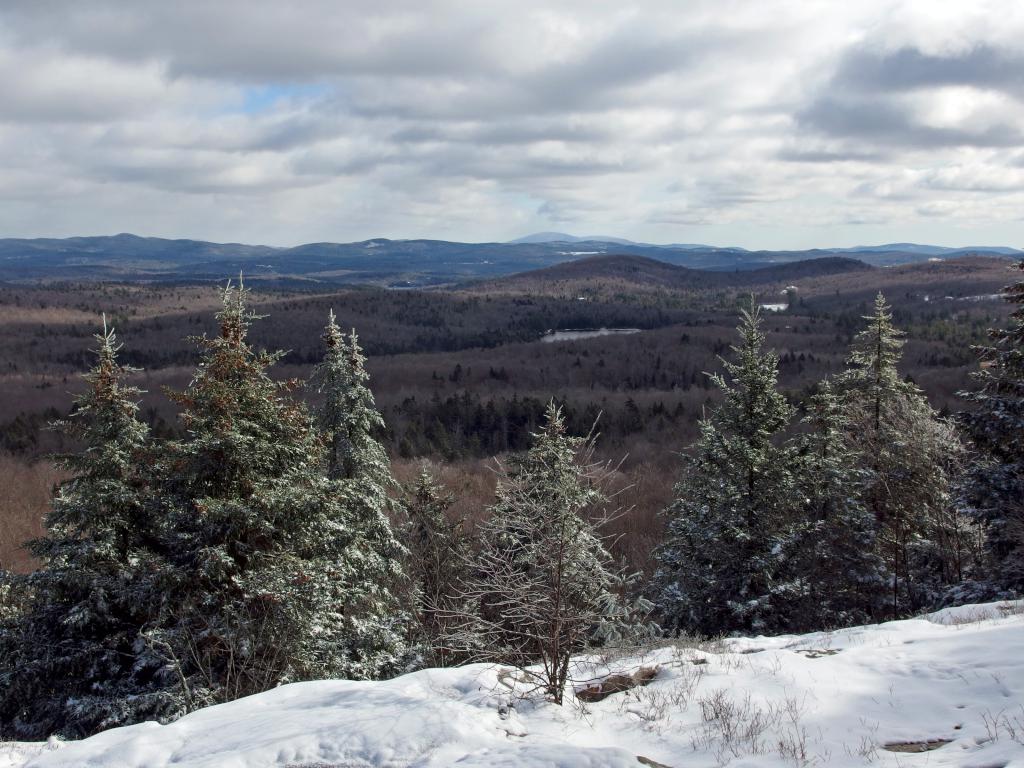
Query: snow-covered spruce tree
x=994 y=484
x=873 y=378
x=910 y=453
x=832 y=574
x=370 y=640
x=439 y=552
x=251 y=601
x=72 y=660
x=717 y=568
x=543 y=586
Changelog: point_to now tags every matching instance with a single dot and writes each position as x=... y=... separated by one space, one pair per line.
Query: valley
x=459 y=373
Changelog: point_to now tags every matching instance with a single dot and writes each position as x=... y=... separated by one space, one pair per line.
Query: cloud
x=741 y=123
x=877 y=123
x=817 y=152
x=981 y=66
x=917 y=99
x=40 y=86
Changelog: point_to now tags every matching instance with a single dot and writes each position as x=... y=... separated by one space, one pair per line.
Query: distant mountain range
x=915 y=248
x=392 y=263
x=562 y=237
x=931 y=250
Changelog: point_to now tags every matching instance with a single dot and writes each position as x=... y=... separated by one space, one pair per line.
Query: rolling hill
x=598 y=276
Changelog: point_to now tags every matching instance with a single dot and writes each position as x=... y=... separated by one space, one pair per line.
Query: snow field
x=952 y=682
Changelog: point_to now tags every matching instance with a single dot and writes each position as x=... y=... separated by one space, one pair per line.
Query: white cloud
x=764 y=124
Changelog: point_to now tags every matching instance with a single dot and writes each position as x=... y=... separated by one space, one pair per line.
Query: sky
x=759 y=123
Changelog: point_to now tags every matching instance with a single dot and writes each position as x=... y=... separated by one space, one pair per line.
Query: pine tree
x=543 y=585
x=717 y=568
x=359 y=474
x=252 y=597
x=438 y=553
x=833 y=573
x=910 y=453
x=994 y=484
x=72 y=660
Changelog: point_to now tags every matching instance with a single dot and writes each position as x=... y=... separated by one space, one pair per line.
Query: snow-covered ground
x=951 y=682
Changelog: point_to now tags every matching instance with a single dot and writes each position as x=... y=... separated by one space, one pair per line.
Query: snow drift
x=943 y=690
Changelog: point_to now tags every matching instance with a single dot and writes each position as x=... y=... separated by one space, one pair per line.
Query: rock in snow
x=943 y=690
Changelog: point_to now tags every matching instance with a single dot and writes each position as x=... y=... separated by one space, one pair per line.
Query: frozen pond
x=571 y=334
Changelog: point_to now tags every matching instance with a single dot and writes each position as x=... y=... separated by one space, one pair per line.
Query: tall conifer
x=74 y=661
x=439 y=554
x=833 y=574
x=994 y=484
x=360 y=480
x=250 y=600
x=910 y=453
x=718 y=566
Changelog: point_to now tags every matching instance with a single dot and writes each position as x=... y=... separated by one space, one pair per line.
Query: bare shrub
x=972 y=615
x=1003 y=723
x=867 y=748
x=641 y=491
x=793 y=738
x=658 y=706
x=732 y=728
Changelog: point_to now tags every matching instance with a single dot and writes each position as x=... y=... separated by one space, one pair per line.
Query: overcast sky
x=763 y=124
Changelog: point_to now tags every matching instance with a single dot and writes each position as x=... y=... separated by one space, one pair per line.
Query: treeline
x=466 y=425
x=269 y=543
x=44 y=350
x=391 y=322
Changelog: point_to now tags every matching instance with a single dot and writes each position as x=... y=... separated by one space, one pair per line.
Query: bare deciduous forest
x=461 y=375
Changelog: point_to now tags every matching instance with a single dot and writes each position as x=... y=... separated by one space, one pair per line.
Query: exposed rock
x=650 y=763
x=916 y=746
x=617 y=684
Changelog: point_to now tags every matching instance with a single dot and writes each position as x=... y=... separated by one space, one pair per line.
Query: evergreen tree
x=72 y=659
x=734 y=502
x=910 y=453
x=252 y=600
x=348 y=417
x=438 y=553
x=543 y=586
x=359 y=475
x=994 y=484
x=833 y=573
x=873 y=358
